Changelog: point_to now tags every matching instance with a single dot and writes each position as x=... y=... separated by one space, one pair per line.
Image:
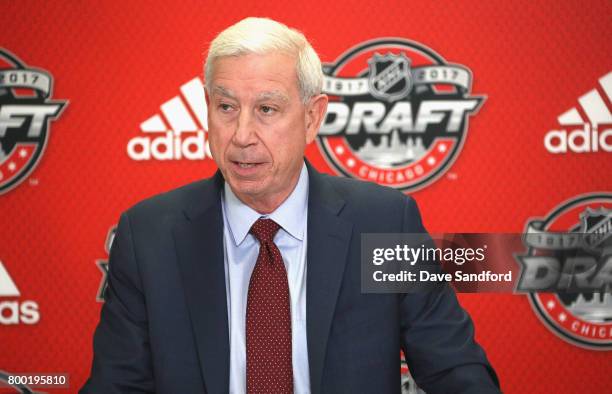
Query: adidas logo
x=179 y=132
x=15 y=312
x=594 y=135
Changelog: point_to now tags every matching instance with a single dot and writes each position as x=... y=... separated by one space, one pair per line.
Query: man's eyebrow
x=220 y=90
x=273 y=95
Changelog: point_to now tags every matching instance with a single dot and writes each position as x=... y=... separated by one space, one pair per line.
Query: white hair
x=261 y=36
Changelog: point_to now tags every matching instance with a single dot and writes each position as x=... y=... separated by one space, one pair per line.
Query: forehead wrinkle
x=220 y=90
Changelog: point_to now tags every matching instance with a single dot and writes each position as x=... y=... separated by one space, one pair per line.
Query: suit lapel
x=328 y=240
x=199 y=245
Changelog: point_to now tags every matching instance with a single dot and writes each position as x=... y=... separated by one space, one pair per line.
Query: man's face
x=259 y=126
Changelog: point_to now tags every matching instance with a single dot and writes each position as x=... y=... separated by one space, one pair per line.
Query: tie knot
x=264 y=230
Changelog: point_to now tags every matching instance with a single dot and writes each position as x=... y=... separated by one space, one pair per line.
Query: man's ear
x=315 y=113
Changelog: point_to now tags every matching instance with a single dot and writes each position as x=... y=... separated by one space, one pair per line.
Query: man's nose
x=245 y=133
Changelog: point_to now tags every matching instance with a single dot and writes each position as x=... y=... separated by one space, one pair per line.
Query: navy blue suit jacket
x=164 y=325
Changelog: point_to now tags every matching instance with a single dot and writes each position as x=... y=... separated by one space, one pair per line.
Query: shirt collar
x=290 y=215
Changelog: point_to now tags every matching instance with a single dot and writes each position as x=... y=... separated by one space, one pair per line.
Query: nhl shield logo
x=597 y=229
x=26 y=109
x=390 y=77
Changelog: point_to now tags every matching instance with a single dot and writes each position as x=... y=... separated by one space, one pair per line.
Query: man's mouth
x=242 y=164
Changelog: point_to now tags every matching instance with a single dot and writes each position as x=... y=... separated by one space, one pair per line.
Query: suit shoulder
x=172 y=201
x=383 y=208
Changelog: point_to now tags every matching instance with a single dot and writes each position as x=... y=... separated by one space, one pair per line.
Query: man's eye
x=225 y=107
x=266 y=110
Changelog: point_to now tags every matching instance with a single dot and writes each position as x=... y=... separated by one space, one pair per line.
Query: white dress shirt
x=240 y=252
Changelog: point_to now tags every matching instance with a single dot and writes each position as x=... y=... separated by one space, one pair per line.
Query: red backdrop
x=117 y=63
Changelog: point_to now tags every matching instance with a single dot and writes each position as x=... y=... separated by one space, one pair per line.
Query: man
x=250 y=281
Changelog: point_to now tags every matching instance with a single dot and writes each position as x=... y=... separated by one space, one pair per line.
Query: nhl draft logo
x=398 y=113
x=25 y=110
x=567 y=270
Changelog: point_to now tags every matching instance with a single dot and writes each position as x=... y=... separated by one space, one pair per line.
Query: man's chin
x=246 y=188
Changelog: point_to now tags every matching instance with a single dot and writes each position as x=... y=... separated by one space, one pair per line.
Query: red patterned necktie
x=268 y=320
